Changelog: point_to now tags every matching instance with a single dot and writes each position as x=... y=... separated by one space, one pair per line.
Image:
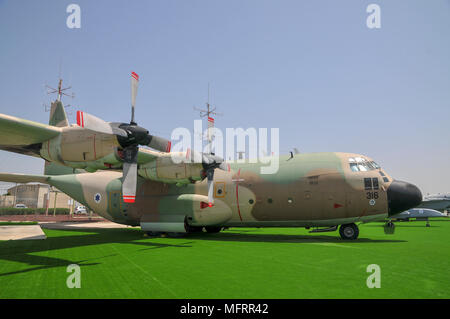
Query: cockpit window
x=375 y=165
x=359 y=164
x=363 y=167
x=371 y=165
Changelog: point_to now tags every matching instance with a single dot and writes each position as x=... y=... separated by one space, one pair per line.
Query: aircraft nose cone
x=402 y=196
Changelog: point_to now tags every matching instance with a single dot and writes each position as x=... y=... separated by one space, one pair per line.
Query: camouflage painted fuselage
x=317 y=189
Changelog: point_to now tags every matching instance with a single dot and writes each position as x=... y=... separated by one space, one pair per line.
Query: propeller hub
x=136 y=135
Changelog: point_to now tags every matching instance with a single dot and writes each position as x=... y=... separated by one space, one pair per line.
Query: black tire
x=349 y=231
x=213 y=229
x=193 y=229
x=190 y=228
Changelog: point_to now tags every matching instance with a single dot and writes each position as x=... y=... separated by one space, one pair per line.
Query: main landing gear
x=349 y=231
x=213 y=229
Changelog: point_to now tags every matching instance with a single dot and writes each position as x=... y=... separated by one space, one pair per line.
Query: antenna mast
x=60 y=91
x=209 y=112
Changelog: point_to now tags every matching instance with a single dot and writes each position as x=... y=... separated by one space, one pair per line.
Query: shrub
x=31 y=211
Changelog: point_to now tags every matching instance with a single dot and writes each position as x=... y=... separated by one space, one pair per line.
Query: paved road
x=21 y=232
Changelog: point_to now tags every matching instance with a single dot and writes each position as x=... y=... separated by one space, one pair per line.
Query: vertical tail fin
x=58 y=116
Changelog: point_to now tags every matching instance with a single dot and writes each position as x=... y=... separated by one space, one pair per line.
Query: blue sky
x=311 y=68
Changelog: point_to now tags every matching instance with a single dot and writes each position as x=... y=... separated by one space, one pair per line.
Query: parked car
x=80 y=210
x=21 y=206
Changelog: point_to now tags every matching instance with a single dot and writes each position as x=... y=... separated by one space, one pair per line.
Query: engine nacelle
x=187 y=210
x=172 y=168
x=78 y=146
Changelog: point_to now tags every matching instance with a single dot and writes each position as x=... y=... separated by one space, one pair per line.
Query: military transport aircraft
x=309 y=190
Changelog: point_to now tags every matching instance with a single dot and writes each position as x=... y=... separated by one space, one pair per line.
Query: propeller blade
x=134 y=89
x=210 y=177
x=93 y=123
x=159 y=143
x=129 y=181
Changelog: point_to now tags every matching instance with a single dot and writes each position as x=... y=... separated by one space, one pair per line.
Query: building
x=35 y=196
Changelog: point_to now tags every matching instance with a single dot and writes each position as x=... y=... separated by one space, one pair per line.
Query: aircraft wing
x=24 y=136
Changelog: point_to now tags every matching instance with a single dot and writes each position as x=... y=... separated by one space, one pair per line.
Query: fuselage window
x=382 y=174
x=368 y=183
x=375 y=182
x=313 y=180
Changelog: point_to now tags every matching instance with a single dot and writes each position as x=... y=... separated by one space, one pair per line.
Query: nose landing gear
x=349 y=231
x=389 y=228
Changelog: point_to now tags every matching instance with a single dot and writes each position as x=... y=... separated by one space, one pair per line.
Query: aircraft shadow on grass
x=243 y=236
x=24 y=251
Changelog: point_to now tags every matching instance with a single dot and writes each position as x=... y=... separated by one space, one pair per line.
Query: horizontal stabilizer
x=23 y=178
x=16 y=131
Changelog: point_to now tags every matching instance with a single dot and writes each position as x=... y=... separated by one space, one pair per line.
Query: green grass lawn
x=17 y=223
x=237 y=263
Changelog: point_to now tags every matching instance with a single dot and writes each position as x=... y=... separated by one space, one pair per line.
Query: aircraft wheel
x=213 y=229
x=349 y=231
x=194 y=229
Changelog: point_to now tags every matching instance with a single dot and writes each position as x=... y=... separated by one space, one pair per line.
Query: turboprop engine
x=183 y=168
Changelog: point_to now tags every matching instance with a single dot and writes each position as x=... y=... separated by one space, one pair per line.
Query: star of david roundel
x=97 y=198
